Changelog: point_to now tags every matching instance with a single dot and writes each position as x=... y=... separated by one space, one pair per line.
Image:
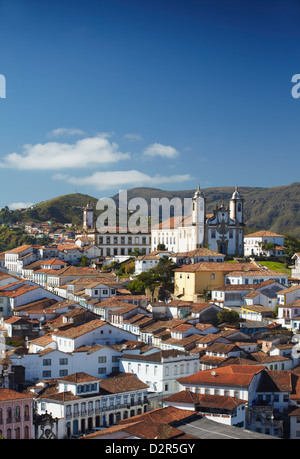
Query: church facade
x=221 y=231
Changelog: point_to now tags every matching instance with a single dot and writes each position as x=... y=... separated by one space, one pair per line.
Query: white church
x=221 y=231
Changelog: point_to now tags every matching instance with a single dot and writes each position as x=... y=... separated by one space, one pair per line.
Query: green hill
x=62 y=209
x=276 y=209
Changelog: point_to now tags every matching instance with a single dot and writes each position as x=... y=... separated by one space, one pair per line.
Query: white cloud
x=157 y=149
x=65 y=132
x=133 y=137
x=112 y=179
x=20 y=205
x=86 y=152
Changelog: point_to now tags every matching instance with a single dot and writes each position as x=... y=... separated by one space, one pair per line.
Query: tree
x=161 y=247
x=292 y=245
x=135 y=252
x=268 y=247
x=162 y=273
x=228 y=316
x=84 y=261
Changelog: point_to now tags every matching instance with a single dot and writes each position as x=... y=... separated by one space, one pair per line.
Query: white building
x=117 y=243
x=289 y=295
x=97 y=360
x=93 y=332
x=160 y=370
x=222 y=231
x=16 y=258
x=240 y=381
x=255 y=277
x=196 y=256
x=146 y=262
x=295 y=271
x=219 y=408
x=255 y=244
x=82 y=402
x=289 y=315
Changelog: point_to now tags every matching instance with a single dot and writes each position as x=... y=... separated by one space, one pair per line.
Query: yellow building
x=193 y=279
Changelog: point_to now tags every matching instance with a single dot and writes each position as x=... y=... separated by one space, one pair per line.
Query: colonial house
x=17 y=258
x=256 y=276
x=160 y=370
x=217 y=353
x=264 y=243
x=288 y=295
x=83 y=290
x=196 y=256
x=82 y=402
x=21 y=293
x=235 y=295
x=93 y=332
x=219 y=408
x=289 y=315
x=238 y=381
x=57 y=278
x=256 y=312
x=97 y=360
x=194 y=279
x=146 y=262
x=16 y=415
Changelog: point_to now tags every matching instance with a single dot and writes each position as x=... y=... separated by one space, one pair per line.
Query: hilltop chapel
x=221 y=231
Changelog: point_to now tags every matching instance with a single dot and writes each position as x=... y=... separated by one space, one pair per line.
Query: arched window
x=17 y=413
x=17 y=433
x=26 y=412
x=26 y=432
x=8 y=434
x=8 y=415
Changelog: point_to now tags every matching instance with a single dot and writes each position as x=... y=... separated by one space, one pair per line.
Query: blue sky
x=103 y=95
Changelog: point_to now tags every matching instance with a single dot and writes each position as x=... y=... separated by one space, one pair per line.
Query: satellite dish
x=213 y=373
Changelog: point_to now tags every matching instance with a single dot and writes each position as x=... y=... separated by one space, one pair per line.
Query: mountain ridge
x=273 y=208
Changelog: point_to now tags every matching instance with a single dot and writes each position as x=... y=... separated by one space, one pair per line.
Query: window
x=63 y=361
x=46 y=362
x=102 y=371
x=102 y=359
x=46 y=374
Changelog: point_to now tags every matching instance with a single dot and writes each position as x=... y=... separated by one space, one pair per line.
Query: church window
x=213 y=234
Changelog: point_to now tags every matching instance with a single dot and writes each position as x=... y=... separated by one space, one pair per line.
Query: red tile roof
x=234 y=375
